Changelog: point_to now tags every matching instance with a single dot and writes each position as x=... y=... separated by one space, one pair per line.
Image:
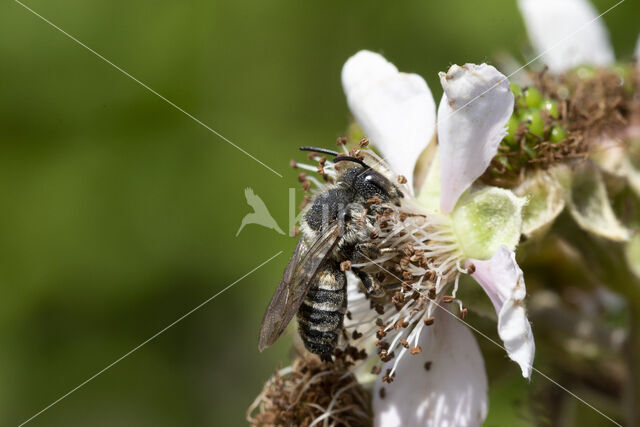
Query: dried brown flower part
x=311 y=391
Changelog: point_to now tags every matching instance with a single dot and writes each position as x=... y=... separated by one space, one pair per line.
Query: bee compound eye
x=345 y=216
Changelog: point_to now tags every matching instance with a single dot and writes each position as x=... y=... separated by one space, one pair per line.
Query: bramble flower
x=578 y=120
x=446 y=226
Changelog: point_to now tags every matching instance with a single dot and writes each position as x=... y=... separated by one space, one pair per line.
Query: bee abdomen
x=321 y=315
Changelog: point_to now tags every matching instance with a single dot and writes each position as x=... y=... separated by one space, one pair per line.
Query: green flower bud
x=512 y=126
x=536 y=124
x=550 y=107
x=532 y=97
x=486 y=219
x=558 y=134
x=516 y=89
x=518 y=95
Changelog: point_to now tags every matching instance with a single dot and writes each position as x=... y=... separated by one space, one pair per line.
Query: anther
x=379 y=308
x=388 y=378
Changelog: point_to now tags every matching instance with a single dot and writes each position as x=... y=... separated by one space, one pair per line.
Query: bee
x=336 y=227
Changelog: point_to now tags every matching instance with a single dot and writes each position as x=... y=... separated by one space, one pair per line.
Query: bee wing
x=295 y=284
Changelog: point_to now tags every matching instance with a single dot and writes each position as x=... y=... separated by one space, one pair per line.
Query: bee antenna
x=351 y=159
x=339 y=157
x=320 y=150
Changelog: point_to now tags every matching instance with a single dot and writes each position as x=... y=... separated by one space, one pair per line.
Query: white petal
x=395 y=110
x=567 y=33
x=502 y=280
x=638 y=50
x=429 y=195
x=452 y=393
x=472 y=116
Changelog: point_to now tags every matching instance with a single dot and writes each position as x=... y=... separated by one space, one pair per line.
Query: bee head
x=365 y=181
x=368 y=183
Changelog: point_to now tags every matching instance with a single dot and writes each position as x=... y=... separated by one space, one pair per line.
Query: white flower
x=446 y=385
x=567 y=34
x=397 y=112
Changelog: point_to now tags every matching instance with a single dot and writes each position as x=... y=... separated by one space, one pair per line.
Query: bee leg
x=366 y=252
x=389 y=250
x=326 y=357
x=371 y=285
x=391 y=286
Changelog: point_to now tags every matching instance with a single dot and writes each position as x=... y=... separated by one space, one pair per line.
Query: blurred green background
x=119 y=213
